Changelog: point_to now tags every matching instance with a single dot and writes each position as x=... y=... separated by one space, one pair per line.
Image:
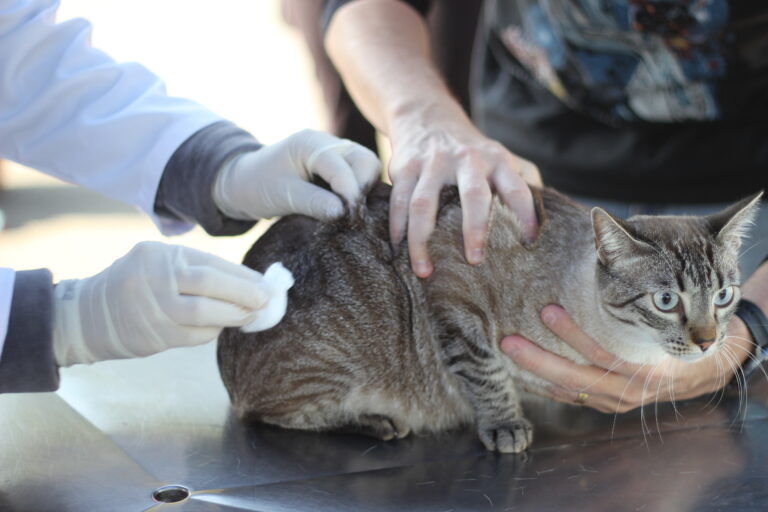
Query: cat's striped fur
x=367 y=346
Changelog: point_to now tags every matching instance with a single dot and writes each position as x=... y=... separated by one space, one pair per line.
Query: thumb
x=308 y=199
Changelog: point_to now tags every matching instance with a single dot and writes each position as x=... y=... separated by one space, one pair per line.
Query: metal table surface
x=118 y=430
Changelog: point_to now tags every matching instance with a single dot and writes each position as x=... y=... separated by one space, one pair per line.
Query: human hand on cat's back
x=612 y=385
x=156 y=297
x=275 y=180
x=440 y=146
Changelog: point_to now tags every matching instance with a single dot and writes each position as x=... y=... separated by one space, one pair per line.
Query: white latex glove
x=274 y=181
x=154 y=298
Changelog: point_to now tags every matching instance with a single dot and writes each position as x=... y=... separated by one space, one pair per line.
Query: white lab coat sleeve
x=71 y=111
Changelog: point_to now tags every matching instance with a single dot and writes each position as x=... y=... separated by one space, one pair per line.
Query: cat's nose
x=704 y=338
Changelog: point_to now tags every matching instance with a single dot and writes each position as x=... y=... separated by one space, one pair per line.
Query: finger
x=399 y=200
x=215 y=284
x=598 y=402
x=200 y=335
x=334 y=169
x=529 y=171
x=421 y=223
x=561 y=323
x=198 y=311
x=365 y=165
x=307 y=199
x=516 y=195
x=475 y=195
x=560 y=371
x=186 y=256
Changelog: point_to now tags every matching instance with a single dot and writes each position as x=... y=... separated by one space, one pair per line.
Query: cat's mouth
x=695 y=354
x=690 y=358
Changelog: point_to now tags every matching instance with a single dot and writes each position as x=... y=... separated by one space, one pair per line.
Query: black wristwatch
x=757 y=324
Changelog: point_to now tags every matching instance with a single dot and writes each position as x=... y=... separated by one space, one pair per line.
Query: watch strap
x=757 y=324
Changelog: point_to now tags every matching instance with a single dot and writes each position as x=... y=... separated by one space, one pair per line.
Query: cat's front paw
x=513 y=436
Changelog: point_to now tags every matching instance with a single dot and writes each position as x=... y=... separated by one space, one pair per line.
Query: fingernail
x=530 y=239
x=422 y=268
x=511 y=345
x=335 y=210
x=549 y=317
x=476 y=256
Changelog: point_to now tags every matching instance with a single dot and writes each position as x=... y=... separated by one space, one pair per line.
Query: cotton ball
x=277 y=281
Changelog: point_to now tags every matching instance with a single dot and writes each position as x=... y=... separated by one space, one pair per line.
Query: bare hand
x=424 y=160
x=613 y=385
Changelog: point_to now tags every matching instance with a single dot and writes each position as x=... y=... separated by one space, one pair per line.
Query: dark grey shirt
x=653 y=102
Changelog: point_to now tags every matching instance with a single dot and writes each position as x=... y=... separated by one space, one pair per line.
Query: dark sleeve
x=186 y=187
x=27 y=362
x=331 y=6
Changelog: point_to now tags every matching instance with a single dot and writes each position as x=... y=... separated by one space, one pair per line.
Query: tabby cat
x=367 y=346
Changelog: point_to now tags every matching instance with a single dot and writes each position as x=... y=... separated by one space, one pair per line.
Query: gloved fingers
x=329 y=164
x=365 y=165
x=199 y=335
x=195 y=311
x=205 y=281
x=308 y=199
x=194 y=257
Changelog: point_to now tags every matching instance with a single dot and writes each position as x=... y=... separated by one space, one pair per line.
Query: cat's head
x=672 y=280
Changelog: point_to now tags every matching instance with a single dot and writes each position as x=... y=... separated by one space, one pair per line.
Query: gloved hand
x=156 y=297
x=274 y=181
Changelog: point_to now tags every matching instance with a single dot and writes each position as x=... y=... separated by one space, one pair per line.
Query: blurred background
x=239 y=58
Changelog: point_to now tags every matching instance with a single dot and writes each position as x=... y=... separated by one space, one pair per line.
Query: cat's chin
x=692 y=358
x=639 y=352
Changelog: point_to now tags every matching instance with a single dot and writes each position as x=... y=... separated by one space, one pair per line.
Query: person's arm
x=154 y=298
x=71 y=111
x=381 y=50
x=26 y=350
x=615 y=386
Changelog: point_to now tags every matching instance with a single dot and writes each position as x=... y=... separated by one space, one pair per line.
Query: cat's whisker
x=740 y=381
x=720 y=380
x=621 y=399
x=756 y=244
x=656 y=408
x=741 y=378
x=643 y=422
x=720 y=394
x=607 y=372
x=743 y=396
x=671 y=391
x=750 y=355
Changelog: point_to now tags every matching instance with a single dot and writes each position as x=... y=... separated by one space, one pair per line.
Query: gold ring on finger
x=581 y=398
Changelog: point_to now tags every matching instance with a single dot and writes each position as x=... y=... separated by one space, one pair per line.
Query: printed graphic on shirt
x=623 y=59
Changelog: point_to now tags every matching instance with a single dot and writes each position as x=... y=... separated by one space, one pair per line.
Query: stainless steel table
x=117 y=433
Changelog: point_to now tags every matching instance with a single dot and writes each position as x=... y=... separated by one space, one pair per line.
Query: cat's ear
x=731 y=225
x=613 y=238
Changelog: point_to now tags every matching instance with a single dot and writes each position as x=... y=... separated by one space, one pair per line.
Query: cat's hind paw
x=513 y=436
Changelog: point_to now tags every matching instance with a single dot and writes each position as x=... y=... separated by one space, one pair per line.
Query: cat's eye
x=724 y=297
x=665 y=300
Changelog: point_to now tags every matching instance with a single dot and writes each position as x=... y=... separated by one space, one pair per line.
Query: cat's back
x=355 y=319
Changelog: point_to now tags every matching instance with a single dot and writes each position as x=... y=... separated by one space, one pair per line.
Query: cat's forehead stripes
x=693 y=261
